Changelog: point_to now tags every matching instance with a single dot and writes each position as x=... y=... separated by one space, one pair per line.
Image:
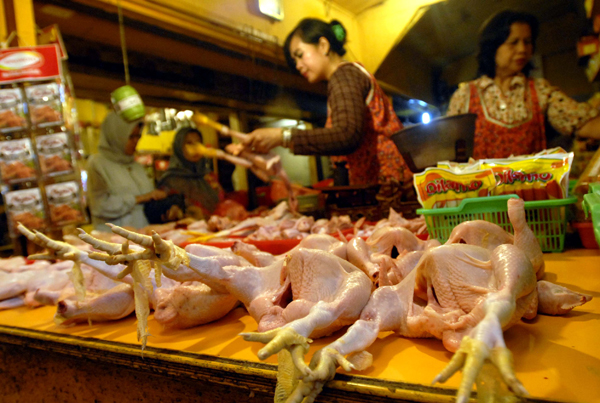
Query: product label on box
x=12 y=114
x=25 y=207
x=45 y=104
x=29 y=64
x=532 y=178
x=64 y=202
x=439 y=187
x=16 y=161
x=54 y=153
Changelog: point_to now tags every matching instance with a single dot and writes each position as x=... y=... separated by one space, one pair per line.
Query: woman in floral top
x=511 y=106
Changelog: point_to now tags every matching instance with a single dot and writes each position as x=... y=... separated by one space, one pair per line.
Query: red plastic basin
x=586 y=233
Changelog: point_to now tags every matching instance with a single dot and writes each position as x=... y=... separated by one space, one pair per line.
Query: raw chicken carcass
x=190 y=304
x=479 y=232
x=318 y=291
x=12 y=264
x=465 y=295
x=99 y=305
x=265 y=166
x=415 y=225
x=276 y=215
x=56 y=279
x=14 y=284
x=261 y=259
x=179 y=300
x=110 y=295
x=108 y=300
x=252 y=254
x=553 y=299
x=18 y=287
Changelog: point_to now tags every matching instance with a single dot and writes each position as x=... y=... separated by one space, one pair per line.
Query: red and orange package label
x=544 y=176
x=439 y=187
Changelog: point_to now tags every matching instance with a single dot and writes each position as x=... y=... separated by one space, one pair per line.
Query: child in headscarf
x=117 y=185
x=188 y=174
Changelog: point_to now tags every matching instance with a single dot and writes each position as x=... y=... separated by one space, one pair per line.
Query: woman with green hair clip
x=360 y=117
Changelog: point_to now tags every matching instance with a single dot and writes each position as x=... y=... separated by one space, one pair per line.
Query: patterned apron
x=495 y=139
x=377 y=159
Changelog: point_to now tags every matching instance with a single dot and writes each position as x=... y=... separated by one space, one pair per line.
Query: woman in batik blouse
x=511 y=106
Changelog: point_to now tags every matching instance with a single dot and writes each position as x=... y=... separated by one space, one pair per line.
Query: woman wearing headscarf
x=188 y=174
x=117 y=185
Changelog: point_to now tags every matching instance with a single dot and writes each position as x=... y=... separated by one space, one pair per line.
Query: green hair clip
x=338 y=31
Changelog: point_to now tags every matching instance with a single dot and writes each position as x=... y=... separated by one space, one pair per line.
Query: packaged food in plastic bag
x=64 y=202
x=54 y=153
x=25 y=207
x=12 y=114
x=16 y=161
x=45 y=104
x=438 y=187
x=539 y=177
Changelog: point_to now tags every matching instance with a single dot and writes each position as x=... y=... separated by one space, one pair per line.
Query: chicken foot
x=515 y=279
x=373 y=319
x=58 y=250
x=329 y=293
x=110 y=304
x=139 y=270
x=182 y=304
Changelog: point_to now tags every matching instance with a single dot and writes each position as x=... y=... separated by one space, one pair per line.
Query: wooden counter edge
x=253 y=376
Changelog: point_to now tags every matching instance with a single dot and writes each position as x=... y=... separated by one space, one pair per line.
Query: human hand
x=261 y=141
x=156 y=194
x=173 y=214
x=195 y=212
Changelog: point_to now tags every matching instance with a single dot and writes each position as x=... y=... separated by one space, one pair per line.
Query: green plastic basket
x=591 y=206
x=547 y=218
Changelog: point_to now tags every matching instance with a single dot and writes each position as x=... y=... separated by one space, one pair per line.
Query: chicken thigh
x=375 y=254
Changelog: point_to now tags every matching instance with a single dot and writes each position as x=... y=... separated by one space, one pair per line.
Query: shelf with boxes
x=39 y=174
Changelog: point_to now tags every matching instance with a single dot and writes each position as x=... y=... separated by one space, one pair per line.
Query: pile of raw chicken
x=275 y=224
x=465 y=293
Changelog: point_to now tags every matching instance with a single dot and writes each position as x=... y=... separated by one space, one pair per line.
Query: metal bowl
x=445 y=138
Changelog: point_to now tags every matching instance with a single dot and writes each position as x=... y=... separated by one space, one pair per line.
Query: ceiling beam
x=102 y=27
x=90 y=86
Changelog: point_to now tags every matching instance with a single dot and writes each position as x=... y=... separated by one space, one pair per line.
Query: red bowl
x=274 y=247
x=277 y=246
x=586 y=233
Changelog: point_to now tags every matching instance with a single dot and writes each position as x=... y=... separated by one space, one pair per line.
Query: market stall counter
x=556 y=358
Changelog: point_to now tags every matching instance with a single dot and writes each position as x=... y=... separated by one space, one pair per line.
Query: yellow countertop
x=556 y=358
